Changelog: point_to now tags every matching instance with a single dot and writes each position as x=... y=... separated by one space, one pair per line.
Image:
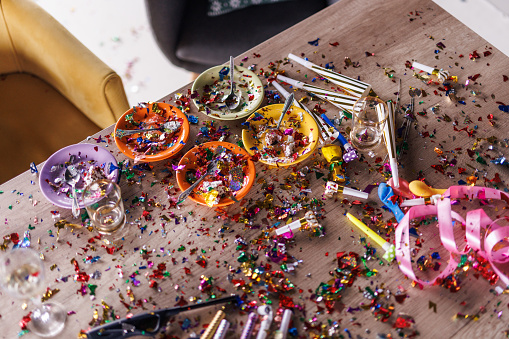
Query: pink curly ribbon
x=475 y=221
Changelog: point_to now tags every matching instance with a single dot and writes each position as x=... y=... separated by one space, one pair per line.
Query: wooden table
x=379 y=37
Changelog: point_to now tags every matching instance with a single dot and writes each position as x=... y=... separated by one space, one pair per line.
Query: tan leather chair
x=53 y=91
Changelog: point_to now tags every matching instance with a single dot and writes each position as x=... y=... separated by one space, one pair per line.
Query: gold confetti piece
x=130 y=293
x=95 y=317
x=24 y=306
x=52 y=267
x=49 y=294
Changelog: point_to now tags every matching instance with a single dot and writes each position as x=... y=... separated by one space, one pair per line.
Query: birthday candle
x=222 y=328
x=211 y=329
x=248 y=328
x=390 y=250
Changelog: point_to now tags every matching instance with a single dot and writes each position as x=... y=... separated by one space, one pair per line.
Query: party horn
x=420 y=201
x=354 y=87
x=390 y=138
x=390 y=249
x=342 y=101
x=350 y=153
x=332 y=188
x=309 y=219
x=439 y=73
x=325 y=132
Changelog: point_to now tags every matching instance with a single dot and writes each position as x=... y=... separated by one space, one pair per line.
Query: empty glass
x=22 y=276
x=103 y=201
x=368 y=123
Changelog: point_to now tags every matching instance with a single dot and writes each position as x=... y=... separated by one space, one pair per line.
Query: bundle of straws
x=389 y=133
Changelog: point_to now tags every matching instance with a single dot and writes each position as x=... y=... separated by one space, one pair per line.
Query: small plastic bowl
x=247 y=83
x=270 y=115
x=146 y=114
x=189 y=159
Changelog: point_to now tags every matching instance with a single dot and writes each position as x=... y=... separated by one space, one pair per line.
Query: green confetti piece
x=480 y=160
x=92 y=289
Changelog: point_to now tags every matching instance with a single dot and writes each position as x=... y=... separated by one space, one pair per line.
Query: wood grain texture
x=394 y=34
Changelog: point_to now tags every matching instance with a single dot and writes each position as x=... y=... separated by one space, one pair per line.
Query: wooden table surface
x=379 y=37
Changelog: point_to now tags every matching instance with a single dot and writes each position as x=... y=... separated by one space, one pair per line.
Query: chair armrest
x=44 y=48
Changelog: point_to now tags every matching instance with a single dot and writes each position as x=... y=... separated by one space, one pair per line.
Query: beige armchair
x=53 y=91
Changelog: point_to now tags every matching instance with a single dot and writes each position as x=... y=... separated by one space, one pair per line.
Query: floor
x=118 y=32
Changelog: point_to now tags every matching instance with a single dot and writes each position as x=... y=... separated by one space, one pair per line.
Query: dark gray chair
x=194 y=41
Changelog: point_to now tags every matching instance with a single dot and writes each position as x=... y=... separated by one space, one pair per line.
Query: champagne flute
x=22 y=276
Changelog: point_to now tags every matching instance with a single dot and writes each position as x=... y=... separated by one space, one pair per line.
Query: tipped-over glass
x=22 y=276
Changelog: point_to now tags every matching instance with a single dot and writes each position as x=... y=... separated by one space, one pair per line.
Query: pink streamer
x=475 y=221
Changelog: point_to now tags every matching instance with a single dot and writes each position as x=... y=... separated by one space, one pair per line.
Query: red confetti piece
x=25 y=320
x=334 y=44
x=474 y=55
x=402 y=323
x=474 y=77
x=15 y=238
x=286 y=302
x=505 y=77
x=181 y=302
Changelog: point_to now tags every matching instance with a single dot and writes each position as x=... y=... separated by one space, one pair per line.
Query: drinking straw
x=389 y=133
x=339 y=100
x=354 y=87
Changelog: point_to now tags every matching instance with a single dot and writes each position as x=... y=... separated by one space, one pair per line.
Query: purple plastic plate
x=86 y=155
